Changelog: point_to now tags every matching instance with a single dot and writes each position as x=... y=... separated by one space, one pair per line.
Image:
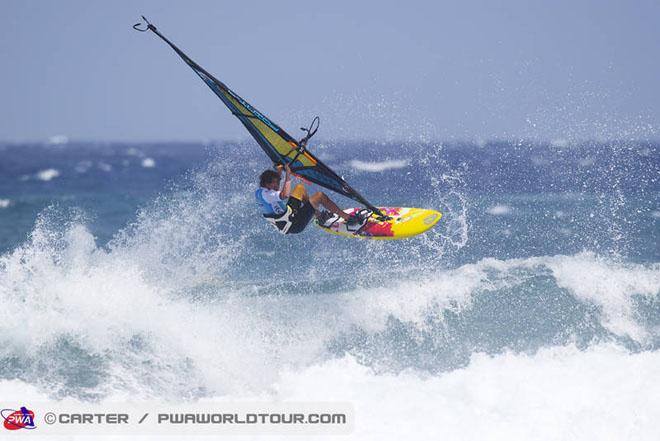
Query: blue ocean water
x=145 y=269
x=523 y=199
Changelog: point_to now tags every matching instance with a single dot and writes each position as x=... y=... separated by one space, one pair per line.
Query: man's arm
x=286 y=190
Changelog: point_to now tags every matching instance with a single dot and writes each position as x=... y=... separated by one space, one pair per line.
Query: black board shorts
x=301 y=214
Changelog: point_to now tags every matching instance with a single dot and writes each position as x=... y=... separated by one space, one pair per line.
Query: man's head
x=270 y=179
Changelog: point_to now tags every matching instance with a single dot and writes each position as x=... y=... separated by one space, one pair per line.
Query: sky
x=384 y=70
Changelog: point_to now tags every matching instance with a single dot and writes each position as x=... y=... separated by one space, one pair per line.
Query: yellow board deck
x=403 y=223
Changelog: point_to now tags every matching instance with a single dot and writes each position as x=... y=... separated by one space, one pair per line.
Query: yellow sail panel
x=284 y=148
x=280 y=147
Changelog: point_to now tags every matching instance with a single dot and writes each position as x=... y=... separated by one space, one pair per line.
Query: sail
x=278 y=145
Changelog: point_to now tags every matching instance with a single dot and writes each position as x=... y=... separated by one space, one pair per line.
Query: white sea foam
x=83 y=166
x=148 y=163
x=499 y=210
x=380 y=166
x=586 y=162
x=540 y=161
x=58 y=140
x=129 y=306
x=4 y=203
x=558 y=393
x=117 y=295
x=559 y=143
x=47 y=174
x=158 y=345
x=609 y=285
x=104 y=166
x=551 y=395
x=112 y=302
x=132 y=151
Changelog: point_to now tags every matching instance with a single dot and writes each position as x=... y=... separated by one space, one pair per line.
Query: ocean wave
x=148 y=163
x=47 y=174
x=197 y=298
x=611 y=287
x=83 y=166
x=58 y=140
x=104 y=166
x=156 y=316
x=378 y=166
x=500 y=210
x=557 y=393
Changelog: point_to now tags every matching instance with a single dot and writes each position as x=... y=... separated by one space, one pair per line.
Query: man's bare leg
x=320 y=198
x=299 y=192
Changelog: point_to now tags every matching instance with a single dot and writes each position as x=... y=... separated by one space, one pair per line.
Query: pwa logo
x=18 y=419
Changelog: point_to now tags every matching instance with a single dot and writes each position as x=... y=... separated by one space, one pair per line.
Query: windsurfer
x=291 y=210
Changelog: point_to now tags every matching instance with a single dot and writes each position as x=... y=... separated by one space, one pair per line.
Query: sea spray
x=198 y=298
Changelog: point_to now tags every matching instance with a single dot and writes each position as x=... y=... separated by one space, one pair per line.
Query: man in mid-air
x=290 y=211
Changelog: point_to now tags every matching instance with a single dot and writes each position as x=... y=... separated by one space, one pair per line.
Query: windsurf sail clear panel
x=278 y=145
